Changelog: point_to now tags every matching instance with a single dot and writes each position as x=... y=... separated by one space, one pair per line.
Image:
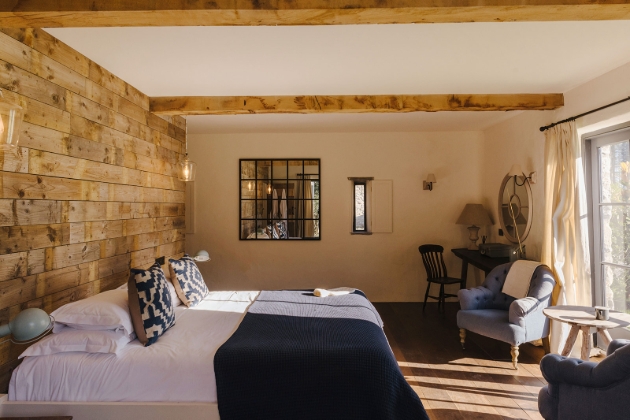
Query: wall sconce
x=202 y=256
x=428 y=184
x=516 y=171
x=11 y=116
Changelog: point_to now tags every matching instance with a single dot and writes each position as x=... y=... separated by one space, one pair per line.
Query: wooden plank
x=62 y=279
x=21 y=81
x=115 y=84
x=41 y=138
x=39 y=113
x=7 y=218
x=67 y=255
x=95 y=231
x=24 y=238
x=90 y=13
x=114 y=265
x=229 y=105
x=49 y=69
x=14 y=160
x=38 y=212
x=14 y=52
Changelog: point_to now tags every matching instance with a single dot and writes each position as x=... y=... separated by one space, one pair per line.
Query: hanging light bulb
x=250 y=187
x=187 y=168
x=11 y=116
x=268 y=188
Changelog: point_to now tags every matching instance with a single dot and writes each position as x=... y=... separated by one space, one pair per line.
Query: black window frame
x=271 y=180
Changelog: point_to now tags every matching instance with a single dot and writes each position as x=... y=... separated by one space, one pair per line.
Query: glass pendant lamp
x=187 y=167
x=11 y=116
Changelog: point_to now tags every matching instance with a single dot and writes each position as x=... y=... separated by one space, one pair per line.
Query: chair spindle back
x=433 y=261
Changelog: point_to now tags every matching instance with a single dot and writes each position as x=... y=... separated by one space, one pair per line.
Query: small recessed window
x=360 y=213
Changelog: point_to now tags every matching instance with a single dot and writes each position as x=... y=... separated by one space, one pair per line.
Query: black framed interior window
x=280 y=199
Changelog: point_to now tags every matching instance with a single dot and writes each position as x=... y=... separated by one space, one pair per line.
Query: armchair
x=487 y=311
x=584 y=390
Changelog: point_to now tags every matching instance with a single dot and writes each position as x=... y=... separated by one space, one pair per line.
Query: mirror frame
x=530 y=213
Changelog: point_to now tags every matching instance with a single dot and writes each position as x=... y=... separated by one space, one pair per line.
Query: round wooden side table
x=583 y=318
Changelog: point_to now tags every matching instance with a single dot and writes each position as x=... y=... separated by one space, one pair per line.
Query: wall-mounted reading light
x=202 y=256
x=517 y=172
x=428 y=184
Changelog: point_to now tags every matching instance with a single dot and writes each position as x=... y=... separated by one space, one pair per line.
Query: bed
x=270 y=354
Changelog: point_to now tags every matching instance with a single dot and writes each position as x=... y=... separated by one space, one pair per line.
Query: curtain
x=564 y=249
x=309 y=226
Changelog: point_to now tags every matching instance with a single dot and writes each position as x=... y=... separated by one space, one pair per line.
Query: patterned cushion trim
x=188 y=282
x=150 y=304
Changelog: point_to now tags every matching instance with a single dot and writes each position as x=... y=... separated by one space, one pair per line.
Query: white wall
x=386 y=266
x=519 y=140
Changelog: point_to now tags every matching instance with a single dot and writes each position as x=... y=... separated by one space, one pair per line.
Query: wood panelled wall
x=93 y=190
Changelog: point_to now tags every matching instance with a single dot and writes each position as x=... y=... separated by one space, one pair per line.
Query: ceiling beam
x=228 y=105
x=93 y=13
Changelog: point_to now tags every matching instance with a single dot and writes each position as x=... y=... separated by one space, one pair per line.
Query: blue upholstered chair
x=487 y=311
x=579 y=390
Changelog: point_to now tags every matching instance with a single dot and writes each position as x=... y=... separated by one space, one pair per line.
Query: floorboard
x=476 y=383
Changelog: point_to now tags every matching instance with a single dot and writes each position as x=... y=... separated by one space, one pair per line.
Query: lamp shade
x=11 y=116
x=475 y=215
x=516 y=170
x=27 y=325
x=187 y=170
x=431 y=178
x=202 y=256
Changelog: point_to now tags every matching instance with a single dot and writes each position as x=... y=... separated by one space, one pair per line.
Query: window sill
x=360 y=233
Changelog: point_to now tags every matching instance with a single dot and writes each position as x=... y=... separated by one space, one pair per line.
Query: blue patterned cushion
x=150 y=304
x=187 y=280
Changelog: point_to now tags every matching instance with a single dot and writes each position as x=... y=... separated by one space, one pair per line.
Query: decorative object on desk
x=495 y=250
x=428 y=184
x=11 y=117
x=602 y=313
x=476 y=216
x=515 y=209
x=187 y=168
x=28 y=326
x=202 y=256
x=436 y=273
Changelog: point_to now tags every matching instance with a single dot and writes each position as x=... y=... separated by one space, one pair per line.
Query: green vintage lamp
x=30 y=325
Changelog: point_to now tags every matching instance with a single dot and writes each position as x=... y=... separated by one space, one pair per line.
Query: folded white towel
x=339 y=291
x=519 y=277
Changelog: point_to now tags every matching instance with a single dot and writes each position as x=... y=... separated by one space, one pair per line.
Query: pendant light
x=187 y=168
x=11 y=116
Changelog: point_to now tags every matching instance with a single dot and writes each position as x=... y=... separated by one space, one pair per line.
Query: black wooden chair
x=436 y=273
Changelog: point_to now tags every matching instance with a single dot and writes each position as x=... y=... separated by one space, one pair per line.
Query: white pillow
x=104 y=311
x=69 y=339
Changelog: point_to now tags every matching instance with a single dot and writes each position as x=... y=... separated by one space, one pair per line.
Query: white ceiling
x=528 y=57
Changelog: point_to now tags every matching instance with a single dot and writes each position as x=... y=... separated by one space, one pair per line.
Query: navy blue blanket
x=298 y=357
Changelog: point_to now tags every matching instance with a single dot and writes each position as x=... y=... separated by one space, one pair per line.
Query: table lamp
x=29 y=325
x=476 y=216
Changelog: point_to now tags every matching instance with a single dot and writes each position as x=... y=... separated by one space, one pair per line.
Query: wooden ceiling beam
x=96 y=13
x=228 y=105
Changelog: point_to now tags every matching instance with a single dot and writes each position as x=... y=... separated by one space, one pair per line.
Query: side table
x=582 y=318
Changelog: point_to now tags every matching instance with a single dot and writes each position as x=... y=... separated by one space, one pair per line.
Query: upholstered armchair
x=487 y=311
x=579 y=390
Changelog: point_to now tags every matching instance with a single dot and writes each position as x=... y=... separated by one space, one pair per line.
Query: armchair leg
x=546 y=345
x=462 y=338
x=515 y=356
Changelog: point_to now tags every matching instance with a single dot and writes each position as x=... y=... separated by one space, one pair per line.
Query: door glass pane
x=615 y=234
x=614 y=166
x=248 y=229
x=248 y=189
x=359 y=207
x=248 y=209
x=617 y=283
x=264 y=169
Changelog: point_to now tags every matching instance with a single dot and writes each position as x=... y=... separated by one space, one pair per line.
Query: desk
x=583 y=318
x=475 y=258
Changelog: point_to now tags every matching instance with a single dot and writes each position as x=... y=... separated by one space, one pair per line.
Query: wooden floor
x=476 y=383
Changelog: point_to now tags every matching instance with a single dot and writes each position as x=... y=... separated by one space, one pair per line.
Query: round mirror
x=515 y=208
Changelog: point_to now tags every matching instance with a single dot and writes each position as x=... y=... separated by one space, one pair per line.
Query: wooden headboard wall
x=93 y=191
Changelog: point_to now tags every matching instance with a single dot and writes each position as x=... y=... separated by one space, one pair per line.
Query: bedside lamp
x=28 y=326
x=475 y=216
x=202 y=256
x=428 y=184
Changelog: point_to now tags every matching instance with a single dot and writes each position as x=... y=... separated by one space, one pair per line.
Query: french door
x=610 y=176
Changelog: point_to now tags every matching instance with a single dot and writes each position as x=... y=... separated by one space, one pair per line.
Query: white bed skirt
x=110 y=410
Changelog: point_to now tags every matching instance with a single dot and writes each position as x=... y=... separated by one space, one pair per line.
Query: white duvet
x=179 y=367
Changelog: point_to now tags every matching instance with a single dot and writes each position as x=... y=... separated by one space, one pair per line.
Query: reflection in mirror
x=515 y=208
x=283 y=199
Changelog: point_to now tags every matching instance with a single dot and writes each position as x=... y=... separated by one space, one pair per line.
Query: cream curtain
x=564 y=247
x=309 y=226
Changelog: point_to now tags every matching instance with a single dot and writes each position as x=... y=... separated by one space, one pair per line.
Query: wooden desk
x=475 y=258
